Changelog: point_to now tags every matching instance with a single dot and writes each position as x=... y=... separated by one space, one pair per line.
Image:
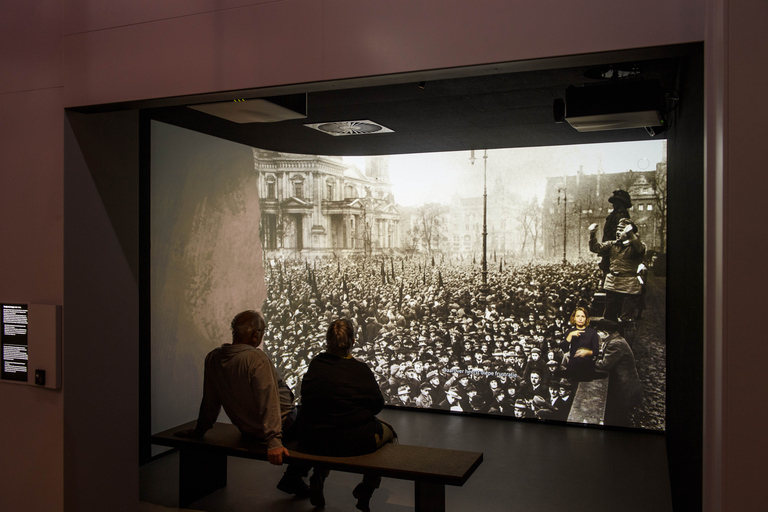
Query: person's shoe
x=363 y=494
x=316 y=482
x=293 y=485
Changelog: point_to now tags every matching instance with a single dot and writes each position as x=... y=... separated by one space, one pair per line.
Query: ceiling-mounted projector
x=258 y=110
x=613 y=106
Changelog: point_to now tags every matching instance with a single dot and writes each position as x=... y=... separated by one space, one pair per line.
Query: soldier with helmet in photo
x=622 y=286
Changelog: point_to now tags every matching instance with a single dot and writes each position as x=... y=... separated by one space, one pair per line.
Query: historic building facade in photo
x=315 y=206
x=465 y=231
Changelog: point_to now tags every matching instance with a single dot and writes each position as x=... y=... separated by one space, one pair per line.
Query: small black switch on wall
x=40 y=377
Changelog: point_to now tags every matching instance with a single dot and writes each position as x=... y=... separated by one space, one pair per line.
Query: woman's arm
x=370 y=394
x=584 y=352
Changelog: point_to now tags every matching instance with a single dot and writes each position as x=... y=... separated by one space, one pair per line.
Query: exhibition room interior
x=528 y=464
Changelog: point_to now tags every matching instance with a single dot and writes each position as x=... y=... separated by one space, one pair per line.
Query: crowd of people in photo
x=434 y=336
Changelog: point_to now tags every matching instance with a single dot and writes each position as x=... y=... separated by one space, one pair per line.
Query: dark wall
x=741 y=409
x=31 y=260
x=685 y=290
x=101 y=323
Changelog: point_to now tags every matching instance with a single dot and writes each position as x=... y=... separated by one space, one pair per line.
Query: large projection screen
x=460 y=271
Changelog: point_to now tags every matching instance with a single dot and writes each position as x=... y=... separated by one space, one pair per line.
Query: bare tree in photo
x=581 y=216
x=410 y=242
x=429 y=225
x=537 y=222
x=285 y=227
x=274 y=228
x=529 y=217
x=659 y=185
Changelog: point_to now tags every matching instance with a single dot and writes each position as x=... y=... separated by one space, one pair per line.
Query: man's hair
x=573 y=315
x=246 y=322
x=340 y=335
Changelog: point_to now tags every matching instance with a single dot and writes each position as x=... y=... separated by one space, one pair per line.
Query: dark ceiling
x=484 y=107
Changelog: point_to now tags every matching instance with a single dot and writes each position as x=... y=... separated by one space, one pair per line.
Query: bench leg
x=430 y=497
x=200 y=473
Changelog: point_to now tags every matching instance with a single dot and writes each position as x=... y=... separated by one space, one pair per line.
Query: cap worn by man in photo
x=621 y=197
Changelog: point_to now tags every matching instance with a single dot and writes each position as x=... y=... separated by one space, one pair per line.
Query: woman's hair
x=340 y=336
x=583 y=310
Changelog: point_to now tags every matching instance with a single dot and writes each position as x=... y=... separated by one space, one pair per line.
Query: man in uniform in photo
x=622 y=285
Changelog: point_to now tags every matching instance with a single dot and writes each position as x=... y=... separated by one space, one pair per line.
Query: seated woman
x=584 y=346
x=340 y=399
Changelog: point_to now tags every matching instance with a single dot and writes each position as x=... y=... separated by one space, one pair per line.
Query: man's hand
x=593 y=227
x=627 y=233
x=275 y=455
x=189 y=433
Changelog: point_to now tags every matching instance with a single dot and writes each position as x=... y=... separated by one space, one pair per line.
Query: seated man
x=241 y=378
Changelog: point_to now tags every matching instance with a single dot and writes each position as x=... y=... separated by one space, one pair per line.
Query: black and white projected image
x=461 y=272
x=13 y=340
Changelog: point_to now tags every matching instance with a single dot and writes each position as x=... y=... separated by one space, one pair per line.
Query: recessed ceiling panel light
x=249 y=111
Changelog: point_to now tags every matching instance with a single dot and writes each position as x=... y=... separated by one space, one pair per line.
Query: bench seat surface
x=406 y=462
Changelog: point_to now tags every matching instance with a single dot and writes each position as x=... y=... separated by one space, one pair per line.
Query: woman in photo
x=584 y=346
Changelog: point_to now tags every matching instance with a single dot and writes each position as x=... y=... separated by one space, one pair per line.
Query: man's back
x=241 y=378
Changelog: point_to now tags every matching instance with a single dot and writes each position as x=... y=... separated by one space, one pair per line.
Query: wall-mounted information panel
x=14 y=342
x=30 y=344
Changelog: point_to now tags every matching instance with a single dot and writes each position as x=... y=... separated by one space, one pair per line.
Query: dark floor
x=527 y=467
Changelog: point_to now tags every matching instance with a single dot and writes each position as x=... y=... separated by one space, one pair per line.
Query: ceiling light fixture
x=253 y=111
x=343 y=128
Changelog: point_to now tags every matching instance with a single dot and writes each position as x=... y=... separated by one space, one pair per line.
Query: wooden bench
x=203 y=463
